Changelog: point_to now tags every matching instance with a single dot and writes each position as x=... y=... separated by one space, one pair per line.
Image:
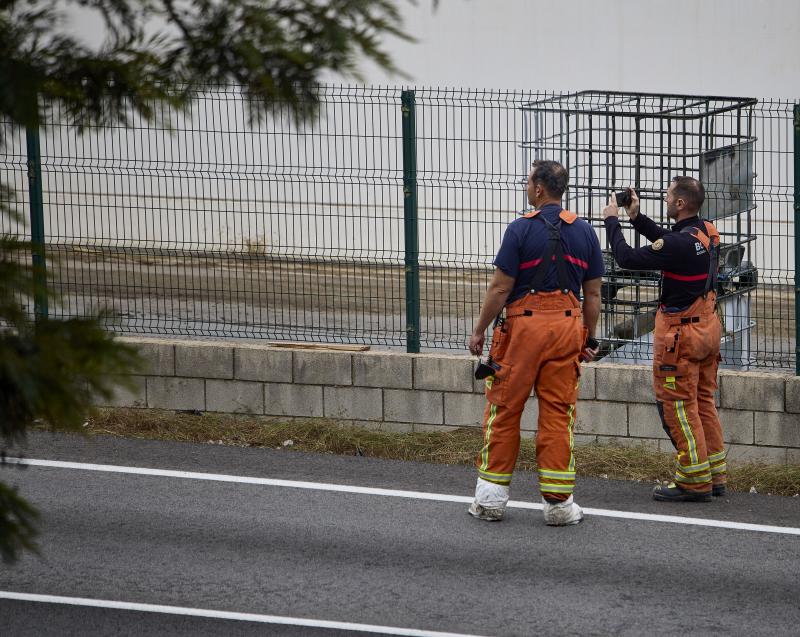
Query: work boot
x=562 y=513
x=673 y=493
x=493 y=514
x=719 y=490
x=490 y=501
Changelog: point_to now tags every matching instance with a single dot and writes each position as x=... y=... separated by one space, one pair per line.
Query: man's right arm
x=652 y=257
x=648 y=228
x=494 y=301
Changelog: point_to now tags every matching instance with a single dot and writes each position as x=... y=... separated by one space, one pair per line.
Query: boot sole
x=486 y=518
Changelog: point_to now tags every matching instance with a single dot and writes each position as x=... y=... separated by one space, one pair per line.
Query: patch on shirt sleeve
x=658 y=244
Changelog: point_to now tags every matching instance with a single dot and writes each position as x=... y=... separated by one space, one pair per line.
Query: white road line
x=222 y=614
x=416 y=495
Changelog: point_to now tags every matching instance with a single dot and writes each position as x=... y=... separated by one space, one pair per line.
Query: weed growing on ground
x=458 y=446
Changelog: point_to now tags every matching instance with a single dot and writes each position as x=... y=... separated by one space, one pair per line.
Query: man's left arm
x=493 y=303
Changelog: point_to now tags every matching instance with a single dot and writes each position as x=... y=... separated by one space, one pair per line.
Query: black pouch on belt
x=489 y=368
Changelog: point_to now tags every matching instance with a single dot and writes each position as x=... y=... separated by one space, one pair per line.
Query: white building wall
x=707 y=47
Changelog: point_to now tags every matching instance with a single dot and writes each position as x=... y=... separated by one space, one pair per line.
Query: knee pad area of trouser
x=491 y=495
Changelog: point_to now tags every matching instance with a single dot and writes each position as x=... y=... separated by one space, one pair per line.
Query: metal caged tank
x=610 y=140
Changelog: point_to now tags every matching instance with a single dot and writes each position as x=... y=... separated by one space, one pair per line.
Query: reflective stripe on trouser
x=685 y=362
x=538 y=350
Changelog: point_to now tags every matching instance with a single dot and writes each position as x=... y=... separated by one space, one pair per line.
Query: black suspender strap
x=713 y=266
x=552 y=248
x=713 y=259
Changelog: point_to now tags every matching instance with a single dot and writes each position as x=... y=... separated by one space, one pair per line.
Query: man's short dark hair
x=690 y=190
x=551 y=175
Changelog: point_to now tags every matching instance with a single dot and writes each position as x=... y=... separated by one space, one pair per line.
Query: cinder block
x=665 y=445
x=644 y=421
x=123 y=396
x=464 y=409
x=777 y=430
x=530 y=416
x=268 y=365
x=737 y=426
x=401 y=405
x=362 y=403
x=176 y=393
x=745 y=454
x=444 y=373
x=205 y=360
x=478 y=386
x=323 y=368
x=158 y=359
x=586 y=389
x=157 y=354
x=234 y=397
x=624 y=383
x=585 y=439
x=752 y=391
x=602 y=418
x=793 y=394
x=284 y=399
x=385 y=370
x=793 y=456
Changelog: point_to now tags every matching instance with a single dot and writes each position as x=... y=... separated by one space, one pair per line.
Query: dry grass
x=459 y=446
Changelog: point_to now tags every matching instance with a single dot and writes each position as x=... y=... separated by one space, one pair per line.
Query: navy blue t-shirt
x=524 y=243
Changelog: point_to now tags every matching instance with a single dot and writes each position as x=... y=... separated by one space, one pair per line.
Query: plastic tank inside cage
x=611 y=140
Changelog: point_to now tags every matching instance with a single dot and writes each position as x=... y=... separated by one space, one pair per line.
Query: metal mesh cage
x=611 y=140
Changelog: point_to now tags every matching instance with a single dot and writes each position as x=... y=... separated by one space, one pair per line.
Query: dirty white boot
x=562 y=513
x=490 y=501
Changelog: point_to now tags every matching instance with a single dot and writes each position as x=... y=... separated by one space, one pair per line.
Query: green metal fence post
x=411 y=220
x=797 y=239
x=37 y=223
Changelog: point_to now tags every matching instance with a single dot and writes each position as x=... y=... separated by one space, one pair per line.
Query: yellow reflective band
x=680 y=477
x=716 y=457
x=486 y=478
x=719 y=468
x=556 y=488
x=694 y=468
x=556 y=475
x=496 y=475
x=485 y=450
x=570 y=429
x=670 y=379
x=680 y=410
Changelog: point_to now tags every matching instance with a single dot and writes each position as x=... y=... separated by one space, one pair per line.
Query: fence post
x=37 y=223
x=411 y=220
x=796 y=238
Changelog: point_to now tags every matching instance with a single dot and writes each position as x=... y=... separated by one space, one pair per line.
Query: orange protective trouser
x=537 y=345
x=685 y=362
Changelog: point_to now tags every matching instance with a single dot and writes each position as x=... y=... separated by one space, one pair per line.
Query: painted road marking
x=416 y=495
x=222 y=614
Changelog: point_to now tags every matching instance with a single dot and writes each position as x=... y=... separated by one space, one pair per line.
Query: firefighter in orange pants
x=541 y=333
x=687 y=334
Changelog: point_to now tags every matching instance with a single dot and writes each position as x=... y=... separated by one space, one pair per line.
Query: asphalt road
x=310 y=554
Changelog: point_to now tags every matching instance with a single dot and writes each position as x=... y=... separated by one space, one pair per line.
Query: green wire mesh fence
x=377 y=221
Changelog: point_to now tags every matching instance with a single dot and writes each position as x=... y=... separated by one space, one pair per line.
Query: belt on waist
x=572 y=312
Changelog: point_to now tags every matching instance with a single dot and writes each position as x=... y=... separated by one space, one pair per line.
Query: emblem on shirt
x=658 y=244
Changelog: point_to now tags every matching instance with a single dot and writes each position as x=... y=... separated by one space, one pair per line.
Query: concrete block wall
x=423 y=392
